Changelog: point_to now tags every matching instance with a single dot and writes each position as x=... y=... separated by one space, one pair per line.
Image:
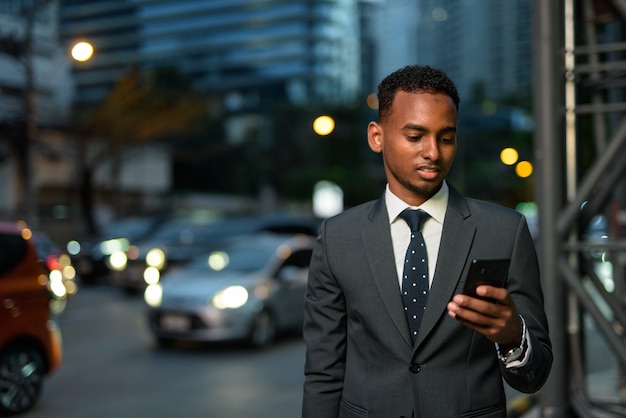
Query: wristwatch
x=512 y=355
x=517 y=352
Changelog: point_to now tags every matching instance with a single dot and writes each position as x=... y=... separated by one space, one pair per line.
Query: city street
x=112 y=368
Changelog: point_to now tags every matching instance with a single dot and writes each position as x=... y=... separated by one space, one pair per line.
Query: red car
x=30 y=342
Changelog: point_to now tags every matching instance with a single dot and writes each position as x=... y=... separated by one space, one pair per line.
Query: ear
x=375 y=137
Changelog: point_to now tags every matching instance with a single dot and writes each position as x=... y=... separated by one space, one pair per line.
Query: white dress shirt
x=431 y=230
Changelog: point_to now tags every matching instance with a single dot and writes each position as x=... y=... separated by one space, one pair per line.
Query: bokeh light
x=151 y=275
x=218 y=260
x=524 y=169
x=82 y=51
x=372 y=101
x=324 y=125
x=440 y=14
x=509 y=156
x=73 y=247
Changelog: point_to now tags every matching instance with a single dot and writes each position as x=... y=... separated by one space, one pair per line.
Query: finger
x=485 y=307
x=469 y=313
x=498 y=294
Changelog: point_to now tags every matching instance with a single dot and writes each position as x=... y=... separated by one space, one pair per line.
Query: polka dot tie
x=415 y=275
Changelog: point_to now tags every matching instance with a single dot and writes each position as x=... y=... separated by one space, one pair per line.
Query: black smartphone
x=490 y=271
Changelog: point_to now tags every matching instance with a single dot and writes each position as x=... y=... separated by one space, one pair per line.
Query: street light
x=524 y=169
x=82 y=51
x=509 y=156
x=323 y=125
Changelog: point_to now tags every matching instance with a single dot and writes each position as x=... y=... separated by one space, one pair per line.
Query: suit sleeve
x=325 y=336
x=524 y=285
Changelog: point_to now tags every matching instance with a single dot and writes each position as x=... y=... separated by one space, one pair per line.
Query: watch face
x=513 y=355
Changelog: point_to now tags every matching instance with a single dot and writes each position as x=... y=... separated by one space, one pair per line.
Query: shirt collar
x=435 y=206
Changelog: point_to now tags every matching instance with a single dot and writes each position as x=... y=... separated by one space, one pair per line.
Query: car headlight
x=118 y=260
x=56 y=284
x=151 y=275
x=232 y=297
x=155 y=258
x=153 y=295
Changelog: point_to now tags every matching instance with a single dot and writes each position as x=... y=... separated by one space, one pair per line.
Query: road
x=112 y=368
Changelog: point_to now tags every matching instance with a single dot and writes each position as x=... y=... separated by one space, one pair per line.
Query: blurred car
x=178 y=241
x=250 y=290
x=90 y=256
x=179 y=238
x=30 y=341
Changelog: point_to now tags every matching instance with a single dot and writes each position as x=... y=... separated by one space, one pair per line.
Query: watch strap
x=516 y=353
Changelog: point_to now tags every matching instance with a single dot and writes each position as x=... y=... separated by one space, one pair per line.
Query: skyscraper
x=297 y=49
x=484 y=45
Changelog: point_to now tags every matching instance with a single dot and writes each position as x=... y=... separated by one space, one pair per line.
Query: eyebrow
x=416 y=127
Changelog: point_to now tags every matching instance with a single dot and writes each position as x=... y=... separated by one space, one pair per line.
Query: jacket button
x=414 y=368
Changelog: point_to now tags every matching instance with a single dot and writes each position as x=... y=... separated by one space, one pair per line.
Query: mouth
x=428 y=173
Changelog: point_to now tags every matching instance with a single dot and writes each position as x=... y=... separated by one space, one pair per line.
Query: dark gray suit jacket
x=360 y=361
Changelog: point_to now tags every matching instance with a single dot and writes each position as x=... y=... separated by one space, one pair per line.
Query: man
x=361 y=359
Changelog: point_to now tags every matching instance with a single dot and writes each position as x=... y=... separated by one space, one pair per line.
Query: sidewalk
x=523 y=405
x=602 y=386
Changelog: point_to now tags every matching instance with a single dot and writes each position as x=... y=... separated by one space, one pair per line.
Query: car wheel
x=263 y=330
x=22 y=373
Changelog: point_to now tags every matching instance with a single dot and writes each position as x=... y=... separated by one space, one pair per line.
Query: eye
x=414 y=138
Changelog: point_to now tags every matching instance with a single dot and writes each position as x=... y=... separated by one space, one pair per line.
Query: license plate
x=175 y=322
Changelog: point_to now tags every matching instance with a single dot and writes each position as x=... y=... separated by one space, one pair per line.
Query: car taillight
x=53 y=263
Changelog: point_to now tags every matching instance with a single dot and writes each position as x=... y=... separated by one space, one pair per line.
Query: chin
x=425 y=190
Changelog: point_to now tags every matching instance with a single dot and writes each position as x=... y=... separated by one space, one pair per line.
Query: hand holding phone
x=492 y=272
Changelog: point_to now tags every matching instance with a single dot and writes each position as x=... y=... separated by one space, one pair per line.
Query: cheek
x=399 y=156
x=448 y=153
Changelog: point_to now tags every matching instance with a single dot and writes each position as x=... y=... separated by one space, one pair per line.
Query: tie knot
x=414 y=218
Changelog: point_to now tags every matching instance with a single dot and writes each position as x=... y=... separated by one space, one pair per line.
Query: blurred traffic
x=251 y=289
x=134 y=264
x=92 y=255
x=61 y=276
x=235 y=278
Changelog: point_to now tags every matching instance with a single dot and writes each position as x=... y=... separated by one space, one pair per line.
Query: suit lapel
x=377 y=243
x=456 y=241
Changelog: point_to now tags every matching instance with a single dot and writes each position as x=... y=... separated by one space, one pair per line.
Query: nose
x=430 y=148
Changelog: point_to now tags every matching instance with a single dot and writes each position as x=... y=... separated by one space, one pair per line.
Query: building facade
x=35 y=97
x=301 y=50
x=484 y=45
x=39 y=158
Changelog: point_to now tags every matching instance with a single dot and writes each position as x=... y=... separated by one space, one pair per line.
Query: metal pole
x=30 y=190
x=548 y=120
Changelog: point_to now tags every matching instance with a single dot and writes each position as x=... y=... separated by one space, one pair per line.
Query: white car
x=251 y=290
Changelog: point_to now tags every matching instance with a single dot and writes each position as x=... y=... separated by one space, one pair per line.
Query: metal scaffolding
x=580 y=114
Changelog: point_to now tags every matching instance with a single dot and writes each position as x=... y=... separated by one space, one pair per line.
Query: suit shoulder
x=489 y=206
x=488 y=210
x=353 y=215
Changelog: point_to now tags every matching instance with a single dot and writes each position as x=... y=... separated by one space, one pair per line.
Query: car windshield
x=177 y=232
x=128 y=228
x=239 y=260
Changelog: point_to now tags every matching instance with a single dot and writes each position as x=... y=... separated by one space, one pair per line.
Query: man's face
x=417 y=140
